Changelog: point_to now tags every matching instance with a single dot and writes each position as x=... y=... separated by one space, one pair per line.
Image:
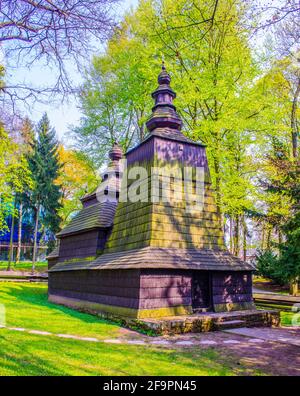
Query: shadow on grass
x=19 y=360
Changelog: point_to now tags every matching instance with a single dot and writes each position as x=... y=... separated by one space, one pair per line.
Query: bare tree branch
x=269 y=13
x=52 y=32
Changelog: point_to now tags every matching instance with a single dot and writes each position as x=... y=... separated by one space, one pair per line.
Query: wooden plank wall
x=118 y=287
x=165 y=288
x=231 y=287
x=143 y=152
x=190 y=155
x=84 y=244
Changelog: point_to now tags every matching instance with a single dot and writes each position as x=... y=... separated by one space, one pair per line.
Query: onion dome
x=114 y=171
x=113 y=174
x=164 y=113
x=116 y=152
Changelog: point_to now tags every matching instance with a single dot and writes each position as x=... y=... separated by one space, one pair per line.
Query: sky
x=61 y=115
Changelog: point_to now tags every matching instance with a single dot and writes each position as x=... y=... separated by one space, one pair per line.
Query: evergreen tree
x=27 y=136
x=283 y=184
x=44 y=165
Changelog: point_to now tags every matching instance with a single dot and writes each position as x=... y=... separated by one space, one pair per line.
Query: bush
x=267 y=265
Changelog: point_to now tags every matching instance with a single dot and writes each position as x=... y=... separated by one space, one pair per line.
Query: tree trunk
x=231 y=234
x=218 y=184
x=294 y=286
x=245 y=233
x=268 y=241
x=36 y=226
x=11 y=240
x=294 y=127
x=263 y=237
x=279 y=237
x=18 y=255
x=236 y=239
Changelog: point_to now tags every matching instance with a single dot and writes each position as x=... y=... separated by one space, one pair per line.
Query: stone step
x=201 y=310
x=229 y=324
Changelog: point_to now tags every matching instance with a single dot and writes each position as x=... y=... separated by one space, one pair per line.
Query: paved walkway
x=273 y=351
x=288 y=336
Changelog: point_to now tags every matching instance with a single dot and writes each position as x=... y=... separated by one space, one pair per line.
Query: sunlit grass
x=27 y=354
x=27 y=306
x=40 y=266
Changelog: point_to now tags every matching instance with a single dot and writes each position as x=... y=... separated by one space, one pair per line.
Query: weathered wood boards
x=152 y=292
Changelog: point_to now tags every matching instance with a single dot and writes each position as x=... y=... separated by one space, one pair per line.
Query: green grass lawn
x=40 y=266
x=27 y=354
x=27 y=306
x=286 y=318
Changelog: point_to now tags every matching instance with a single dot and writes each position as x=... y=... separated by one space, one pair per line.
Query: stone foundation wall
x=212 y=322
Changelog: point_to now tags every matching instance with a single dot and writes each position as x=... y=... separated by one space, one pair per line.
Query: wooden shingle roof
x=153 y=257
x=54 y=253
x=98 y=215
x=173 y=134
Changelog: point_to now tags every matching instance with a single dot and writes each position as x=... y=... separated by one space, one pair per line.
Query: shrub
x=267 y=264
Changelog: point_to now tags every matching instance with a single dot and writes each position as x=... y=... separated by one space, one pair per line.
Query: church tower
x=165 y=254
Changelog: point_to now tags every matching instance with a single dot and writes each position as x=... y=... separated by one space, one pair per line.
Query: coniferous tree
x=284 y=185
x=44 y=165
x=27 y=136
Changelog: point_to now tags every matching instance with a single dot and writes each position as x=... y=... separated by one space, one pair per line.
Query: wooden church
x=150 y=258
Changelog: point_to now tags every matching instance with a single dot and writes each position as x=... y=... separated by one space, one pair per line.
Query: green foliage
x=283 y=184
x=44 y=166
x=284 y=267
x=15 y=176
x=41 y=266
x=267 y=265
x=77 y=177
x=289 y=261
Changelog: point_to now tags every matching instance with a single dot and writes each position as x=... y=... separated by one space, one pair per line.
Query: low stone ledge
x=211 y=322
x=194 y=323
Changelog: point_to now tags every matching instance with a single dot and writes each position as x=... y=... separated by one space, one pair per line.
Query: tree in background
x=285 y=182
x=15 y=175
x=207 y=53
x=77 y=177
x=27 y=139
x=283 y=190
x=44 y=165
x=15 y=179
x=106 y=117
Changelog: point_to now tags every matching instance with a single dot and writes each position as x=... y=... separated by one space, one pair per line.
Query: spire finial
x=163 y=64
x=164 y=112
x=164 y=76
